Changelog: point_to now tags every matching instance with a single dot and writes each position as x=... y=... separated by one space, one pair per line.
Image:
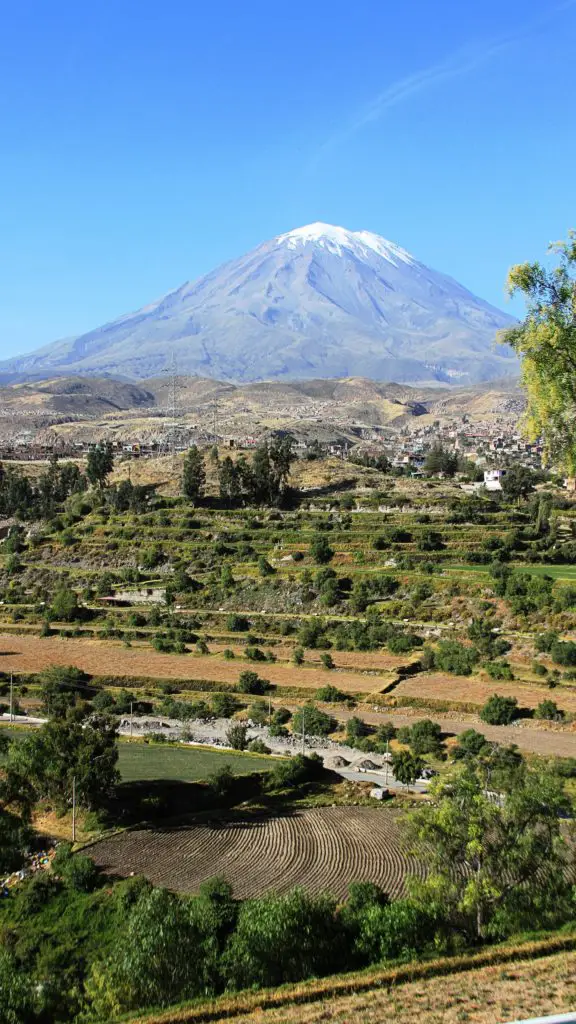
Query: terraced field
x=323 y=848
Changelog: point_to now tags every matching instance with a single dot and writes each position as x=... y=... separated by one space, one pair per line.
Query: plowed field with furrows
x=322 y=848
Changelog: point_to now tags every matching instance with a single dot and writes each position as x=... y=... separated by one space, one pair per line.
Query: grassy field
x=140 y=761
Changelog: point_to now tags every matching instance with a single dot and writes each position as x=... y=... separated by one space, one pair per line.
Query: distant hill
x=319 y=301
x=93 y=407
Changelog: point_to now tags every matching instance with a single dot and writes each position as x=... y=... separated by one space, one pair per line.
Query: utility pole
x=386 y=776
x=131 y=706
x=73 y=808
x=11 y=697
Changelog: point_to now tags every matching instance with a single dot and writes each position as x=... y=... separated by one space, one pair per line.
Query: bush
x=75 y=869
x=390 y=932
x=330 y=695
x=254 y=654
x=295 y=772
x=327 y=660
x=258 y=746
x=236 y=736
x=223 y=705
x=237 y=624
x=282 y=939
x=499 y=710
x=250 y=682
x=564 y=652
x=314 y=721
x=499 y=670
x=549 y=710
x=451 y=656
x=430 y=540
x=320 y=550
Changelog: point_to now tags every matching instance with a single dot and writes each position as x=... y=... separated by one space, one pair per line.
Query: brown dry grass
x=476 y=691
x=485 y=996
x=104 y=658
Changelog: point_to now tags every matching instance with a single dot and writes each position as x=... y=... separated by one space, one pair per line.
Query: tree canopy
x=546 y=342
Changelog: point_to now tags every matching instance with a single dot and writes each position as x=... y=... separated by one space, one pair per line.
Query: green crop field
x=140 y=761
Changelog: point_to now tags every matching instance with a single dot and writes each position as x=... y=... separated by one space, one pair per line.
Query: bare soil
x=102 y=657
x=323 y=848
x=477 y=691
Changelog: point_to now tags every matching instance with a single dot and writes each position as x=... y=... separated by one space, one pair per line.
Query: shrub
x=549 y=710
x=297 y=771
x=330 y=694
x=237 y=624
x=250 y=682
x=327 y=660
x=258 y=746
x=564 y=652
x=499 y=710
x=254 y=654
x=320 y=550
x=499 y=670
x=313 y=721
x=451 y=656
x=236 y=736
x=282 y=939
x=223 y=705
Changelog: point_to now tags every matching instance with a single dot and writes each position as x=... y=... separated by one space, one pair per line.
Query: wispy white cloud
x=458 y=64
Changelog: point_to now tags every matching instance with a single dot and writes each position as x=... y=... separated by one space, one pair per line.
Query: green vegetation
x=138 y=761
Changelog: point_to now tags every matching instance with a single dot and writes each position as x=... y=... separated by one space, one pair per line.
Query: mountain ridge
x=319 y=301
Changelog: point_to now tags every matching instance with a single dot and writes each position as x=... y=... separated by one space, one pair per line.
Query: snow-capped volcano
x=335 y=240
x=319 y=301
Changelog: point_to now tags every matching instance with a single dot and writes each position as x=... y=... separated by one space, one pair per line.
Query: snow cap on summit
x=335 y=239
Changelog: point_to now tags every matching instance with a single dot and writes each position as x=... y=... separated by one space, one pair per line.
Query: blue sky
x=143 y=143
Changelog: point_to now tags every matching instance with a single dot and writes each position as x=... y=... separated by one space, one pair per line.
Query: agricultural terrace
x=322 y=849
x=406 y=596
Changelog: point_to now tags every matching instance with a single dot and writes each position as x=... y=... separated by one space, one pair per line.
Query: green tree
x=154 y=961
x=426 y=737
x=281 y=939
x=313 y=721
x=320 y=549
x=237 y=736
x=64 y=606
x=99 y=464
x=406 y=767
x=44 y=764
x=193 y=474
x=62 y=686
x=19 y=998
x=440 y=460
x=496 y=866
x=499 y=710
x=546 y=342
x=250 y=682
x=518 y=482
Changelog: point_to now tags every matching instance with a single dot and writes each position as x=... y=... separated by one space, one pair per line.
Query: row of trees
x=262 y=481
